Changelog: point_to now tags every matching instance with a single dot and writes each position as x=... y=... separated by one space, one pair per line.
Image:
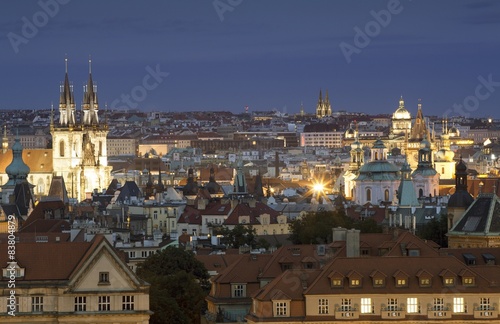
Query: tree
x=238 y=236
x=435 y=230
x=179 y=285
x=316 y=227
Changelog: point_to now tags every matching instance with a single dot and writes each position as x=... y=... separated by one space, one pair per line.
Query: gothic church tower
x=79 y=147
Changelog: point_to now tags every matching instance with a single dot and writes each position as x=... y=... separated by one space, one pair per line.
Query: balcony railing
x=347 y=314
x=485 y=312
x=441 y=312
x=392 y=312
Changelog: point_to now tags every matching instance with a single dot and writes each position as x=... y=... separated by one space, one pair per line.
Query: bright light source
x=318 y=187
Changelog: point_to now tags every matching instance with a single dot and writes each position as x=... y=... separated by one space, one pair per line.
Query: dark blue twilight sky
x=257 y=53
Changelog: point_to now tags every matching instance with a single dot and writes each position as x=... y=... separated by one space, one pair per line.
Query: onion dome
x=17 y=169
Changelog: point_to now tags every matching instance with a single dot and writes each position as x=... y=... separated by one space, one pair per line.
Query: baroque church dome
x=401 y=112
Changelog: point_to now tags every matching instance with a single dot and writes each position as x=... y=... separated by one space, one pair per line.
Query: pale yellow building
x=71 y=282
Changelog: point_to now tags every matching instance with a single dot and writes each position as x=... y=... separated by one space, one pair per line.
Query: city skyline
x=226 y=55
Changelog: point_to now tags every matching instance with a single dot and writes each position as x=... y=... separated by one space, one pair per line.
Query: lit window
x=323 y=306
x=355 y=282
x=459 y=305
x=449 y=281
x=127 y=302
x=104 y=303
x=37 y=304
x=469 y=281
x=412 y=305
x=379 y=282
x=281 y=308
x=337 y=282
x=401 y=282
x=366 y=306
x=425 y=282
x=80 y=304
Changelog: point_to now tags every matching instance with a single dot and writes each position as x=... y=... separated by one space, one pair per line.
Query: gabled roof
x=244 y=209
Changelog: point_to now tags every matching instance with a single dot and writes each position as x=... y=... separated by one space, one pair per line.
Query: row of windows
x=403 y=281
x=80 y=303
x=412 y=305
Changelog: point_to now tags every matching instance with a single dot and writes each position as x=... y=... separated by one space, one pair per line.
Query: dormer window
x=13 y=269
x=402 y=282
x=425 y=282
x=355 y=279
x=449 y=281
x=468 y=281
x=337 y=282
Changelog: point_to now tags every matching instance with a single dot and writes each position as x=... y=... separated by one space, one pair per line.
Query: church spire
x=66 y=101
x=90 y=104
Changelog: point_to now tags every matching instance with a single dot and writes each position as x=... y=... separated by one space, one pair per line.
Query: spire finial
x=66 y=63
x=90 y=64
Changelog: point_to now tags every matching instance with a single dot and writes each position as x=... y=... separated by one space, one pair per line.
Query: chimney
x=352 y=243
x=339 y=234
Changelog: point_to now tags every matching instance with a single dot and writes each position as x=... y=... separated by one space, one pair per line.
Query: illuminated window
x=459 y=305
x=337 y=282
x=425 y=282
x=323 y=306
x=469 y=281
x=355 y=282
x=366 y=306
x=401 y=282
x=379 y=282
x=412 y=305
x=449 y=281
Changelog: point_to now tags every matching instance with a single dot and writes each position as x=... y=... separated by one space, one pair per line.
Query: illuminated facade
x=79 y=152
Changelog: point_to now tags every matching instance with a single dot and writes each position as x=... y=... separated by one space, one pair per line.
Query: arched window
x=100 y=148
x=61 y=148
x=386 y=195
x=368 y=195
x=376 y=156
x=420 y=192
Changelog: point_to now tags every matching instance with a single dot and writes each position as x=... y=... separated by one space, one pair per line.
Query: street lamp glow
x=318 y=187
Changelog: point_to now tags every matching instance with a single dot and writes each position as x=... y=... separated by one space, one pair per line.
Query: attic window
x=468 y=281
x=13 y=269
x=104 y=278
x=425 y=282
x=337 y=282
x=489 y=258
x=469 y=259
x=449 y=281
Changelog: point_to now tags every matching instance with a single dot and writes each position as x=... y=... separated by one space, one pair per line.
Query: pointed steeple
x=258 y=188
x=66 y=101
x=90 y=104
x=327 y=109
x=319 y=106
x=419 y=129
x=240 y=183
